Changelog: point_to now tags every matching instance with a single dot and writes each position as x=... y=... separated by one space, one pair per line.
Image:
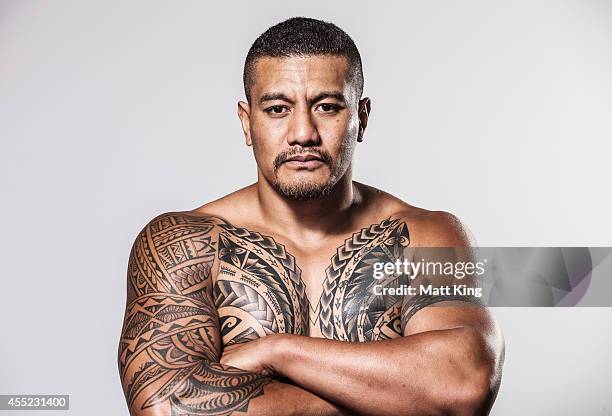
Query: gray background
x=113 y=112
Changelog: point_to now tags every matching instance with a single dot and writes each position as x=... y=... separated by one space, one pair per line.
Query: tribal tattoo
x=349 y=310
x=259 y=289
x=170 y=345
x=177 y=321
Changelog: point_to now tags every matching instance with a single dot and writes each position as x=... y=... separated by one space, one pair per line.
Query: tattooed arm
x=170 y=343
x=446 y=361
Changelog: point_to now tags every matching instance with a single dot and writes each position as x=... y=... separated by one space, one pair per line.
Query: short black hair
x=303 y=36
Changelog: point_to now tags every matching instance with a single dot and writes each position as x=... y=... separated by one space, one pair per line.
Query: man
x=263 y=302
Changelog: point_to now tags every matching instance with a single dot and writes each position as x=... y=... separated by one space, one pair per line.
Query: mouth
x=303 y=158
x=307 y=161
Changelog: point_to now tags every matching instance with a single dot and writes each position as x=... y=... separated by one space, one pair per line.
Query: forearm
x=215 y=388
x=434 y=372
x=284 y=399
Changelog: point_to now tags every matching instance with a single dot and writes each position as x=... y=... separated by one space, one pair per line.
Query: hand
x=257 y=356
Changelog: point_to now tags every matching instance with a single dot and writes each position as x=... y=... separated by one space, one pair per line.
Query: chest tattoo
x=349 y=309
x=260 y=291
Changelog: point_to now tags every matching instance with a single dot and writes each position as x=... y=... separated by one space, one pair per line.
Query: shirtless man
x=262 y=302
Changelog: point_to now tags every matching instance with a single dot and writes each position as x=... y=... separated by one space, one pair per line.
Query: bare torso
x=266 y=281
x=221 y=274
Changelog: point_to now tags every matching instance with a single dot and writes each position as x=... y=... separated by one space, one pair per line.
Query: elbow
x=476 y=389
x=476 y=397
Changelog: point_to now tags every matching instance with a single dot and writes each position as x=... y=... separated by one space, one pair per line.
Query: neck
x=309 y=220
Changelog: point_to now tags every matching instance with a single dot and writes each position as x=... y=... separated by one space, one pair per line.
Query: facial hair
x=304 y=191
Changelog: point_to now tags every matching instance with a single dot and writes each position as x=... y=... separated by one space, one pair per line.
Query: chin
x=304 y=190
x=304 y=178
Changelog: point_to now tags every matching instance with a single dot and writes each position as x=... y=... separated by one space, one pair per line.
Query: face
x=303 y=122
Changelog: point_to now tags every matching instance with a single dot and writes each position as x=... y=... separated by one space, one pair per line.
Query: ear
x=364 y=114
x=244 y=112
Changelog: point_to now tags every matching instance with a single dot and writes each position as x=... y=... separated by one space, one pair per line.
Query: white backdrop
x=113 y=112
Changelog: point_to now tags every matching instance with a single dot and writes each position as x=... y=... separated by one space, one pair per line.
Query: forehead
x=307 y=74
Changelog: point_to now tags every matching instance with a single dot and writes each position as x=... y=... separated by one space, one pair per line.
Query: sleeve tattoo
x=170 y=342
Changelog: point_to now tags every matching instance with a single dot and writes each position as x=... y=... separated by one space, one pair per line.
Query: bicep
x=449 y=315
x=446 y=281
x=170 y=343
x=450 y=306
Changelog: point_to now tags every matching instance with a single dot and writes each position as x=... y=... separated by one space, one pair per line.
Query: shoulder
x=172 y=238
x=190 y=233
x=174 y=253
x=175 y=223
x=435 y=228
x=426 y=228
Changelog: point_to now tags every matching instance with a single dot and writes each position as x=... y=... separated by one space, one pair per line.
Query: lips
x=303 y=158
x=307 y=162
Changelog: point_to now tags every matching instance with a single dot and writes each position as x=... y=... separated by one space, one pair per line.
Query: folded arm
x=450 y=370
x=170 y=344
x=448 y=361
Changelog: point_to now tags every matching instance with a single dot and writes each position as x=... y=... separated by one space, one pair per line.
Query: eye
x=327 y=108
x=276 y=110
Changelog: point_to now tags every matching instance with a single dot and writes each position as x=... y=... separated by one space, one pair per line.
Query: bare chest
x=262 y=288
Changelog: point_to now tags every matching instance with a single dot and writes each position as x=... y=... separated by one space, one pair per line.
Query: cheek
x=268 y=134
x=267 y=140
x=264 y=156
x=340 y=134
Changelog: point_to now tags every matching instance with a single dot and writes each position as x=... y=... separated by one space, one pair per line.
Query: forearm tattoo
x=170 y=344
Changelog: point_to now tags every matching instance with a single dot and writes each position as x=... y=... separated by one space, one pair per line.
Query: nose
x=303 y=131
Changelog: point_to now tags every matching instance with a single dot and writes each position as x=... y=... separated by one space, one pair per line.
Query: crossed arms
x=170 y=347
x=172 y=363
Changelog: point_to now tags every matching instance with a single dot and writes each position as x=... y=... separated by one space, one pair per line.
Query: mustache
x=284 y=156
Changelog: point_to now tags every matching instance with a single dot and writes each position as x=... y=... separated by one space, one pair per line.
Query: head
x=304 y=113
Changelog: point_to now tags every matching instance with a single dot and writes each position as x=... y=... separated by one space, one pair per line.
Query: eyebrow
x=337 y=95
x=274 y=96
